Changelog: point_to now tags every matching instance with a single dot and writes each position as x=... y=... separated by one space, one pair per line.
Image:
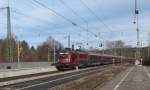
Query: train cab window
x=63 y=54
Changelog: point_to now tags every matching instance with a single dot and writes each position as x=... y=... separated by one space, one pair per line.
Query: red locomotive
x=74 y=59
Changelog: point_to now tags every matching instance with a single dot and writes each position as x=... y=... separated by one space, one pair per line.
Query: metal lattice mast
x=9 y=37
x=136 y=22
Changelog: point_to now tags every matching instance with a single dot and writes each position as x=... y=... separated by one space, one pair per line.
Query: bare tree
x=48 y=46
x=50 y=43
x=115 y=44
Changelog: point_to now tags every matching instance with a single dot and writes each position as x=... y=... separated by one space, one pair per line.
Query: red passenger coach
x=73 y=59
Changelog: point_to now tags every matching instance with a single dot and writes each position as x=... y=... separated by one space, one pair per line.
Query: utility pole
x=48 y=56
x=121 y=47
x=9 y=36
x=68 y=41
x=114 y=49
x=103 y=48
x=148 y=51
x=136 y=22
x=149 y=47
x=18 y=54
x=54 y=52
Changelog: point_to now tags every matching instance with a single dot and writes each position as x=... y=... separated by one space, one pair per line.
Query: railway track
x=26 y=76
x=49 y=80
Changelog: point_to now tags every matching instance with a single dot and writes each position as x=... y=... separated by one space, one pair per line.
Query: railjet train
x=71 y=59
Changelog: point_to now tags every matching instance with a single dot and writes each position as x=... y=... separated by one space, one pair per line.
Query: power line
x=20 y=13
x=75 y=13
x=29 y=16
x=36 y=4
x=92 y=12
x=67 y=6
x=73 y=23
x=33 y=18
x=47 y=28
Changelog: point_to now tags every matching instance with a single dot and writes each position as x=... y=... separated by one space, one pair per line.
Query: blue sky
x=37 y=23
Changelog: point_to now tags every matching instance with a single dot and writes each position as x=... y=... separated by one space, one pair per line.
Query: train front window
x=63 y=54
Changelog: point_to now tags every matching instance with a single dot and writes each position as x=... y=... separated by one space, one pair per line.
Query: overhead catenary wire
x=37 y=4
x=98 y=18
x=43 y=5
x=75 y=13
x=35 y=18
x=73 y=23
x=67 y=6
x=46 y=33
x=20 y=13
x=70 y=21
x=92 y=12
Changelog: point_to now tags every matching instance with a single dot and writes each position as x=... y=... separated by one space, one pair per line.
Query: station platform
x=5 y=73
x=135 y=78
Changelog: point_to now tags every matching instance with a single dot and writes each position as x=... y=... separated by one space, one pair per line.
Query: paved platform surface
x=135 y=78
x=22 y=65
x=25 y=71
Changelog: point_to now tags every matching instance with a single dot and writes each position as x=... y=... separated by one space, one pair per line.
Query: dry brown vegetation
x=92 y=81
